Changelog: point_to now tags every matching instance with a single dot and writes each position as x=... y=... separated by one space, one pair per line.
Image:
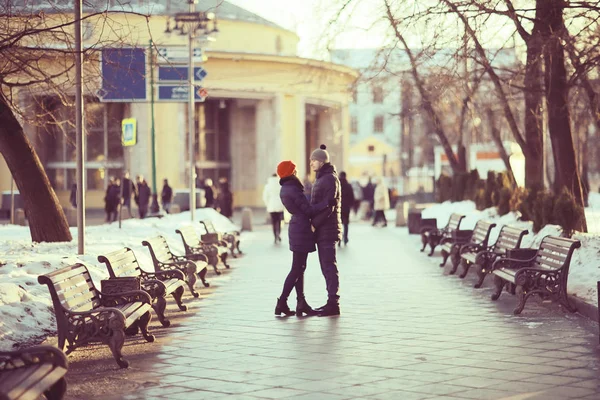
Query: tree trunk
x=47 y=221
x=534 y=133
x=555 y=79
x=501 y=150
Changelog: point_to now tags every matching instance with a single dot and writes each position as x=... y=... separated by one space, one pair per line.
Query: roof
x=222 y=9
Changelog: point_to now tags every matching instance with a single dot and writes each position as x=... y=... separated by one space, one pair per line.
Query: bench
x=29 y=373
x=477 y=241
x=122 y=263
x=216 y=239
x=84 y=314
x=509 y=238
x=544 y=274
x=164 y=260
x=195 y=249
x=231 y=237
x=450 y=244
x=432 y=236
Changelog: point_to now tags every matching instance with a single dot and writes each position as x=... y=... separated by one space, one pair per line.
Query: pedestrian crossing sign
x=129 y=132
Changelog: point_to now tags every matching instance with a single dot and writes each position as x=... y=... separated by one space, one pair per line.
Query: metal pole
x=191 y=109
x=80 y=143
x=12 y=200
x=154 y=208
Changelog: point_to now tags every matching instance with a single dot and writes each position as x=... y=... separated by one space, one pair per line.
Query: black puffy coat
x=347 y=200
x=300 y=233
x=326 y=189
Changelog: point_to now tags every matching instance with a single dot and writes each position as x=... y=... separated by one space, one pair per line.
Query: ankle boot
x=303 y=307
x=329 y=310
x=282 y=307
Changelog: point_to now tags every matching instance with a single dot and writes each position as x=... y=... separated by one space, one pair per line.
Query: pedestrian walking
x=112 y=199
x=225 y=199
x=166 y=196
x=358 y=196
x=301 y=237
x=382 y=202
x=127 y=189
x=347 y=204
x=368 y=196
x=143 y=194
x=327 y=226
x=274 y=205
x=209 y=193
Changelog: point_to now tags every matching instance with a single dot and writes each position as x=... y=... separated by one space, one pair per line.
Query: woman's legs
x=295 y=277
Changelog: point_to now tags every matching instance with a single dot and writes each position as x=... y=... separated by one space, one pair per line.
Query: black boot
x=303 y=308
x=282 y=307
x=330 y=309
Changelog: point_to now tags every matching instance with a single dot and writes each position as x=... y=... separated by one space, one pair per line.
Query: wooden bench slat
x=75 y=303
x=39 y=387
x=27 y=378
x=68 y=272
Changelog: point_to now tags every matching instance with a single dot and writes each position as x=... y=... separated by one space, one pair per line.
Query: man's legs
x=327 y=258
x=346 y=233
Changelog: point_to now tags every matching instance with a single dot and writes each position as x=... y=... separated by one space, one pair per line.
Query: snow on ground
x=25 y=305
x=584 y=271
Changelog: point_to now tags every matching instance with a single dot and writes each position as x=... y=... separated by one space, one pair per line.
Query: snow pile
x=25 y=305
x=584 y=271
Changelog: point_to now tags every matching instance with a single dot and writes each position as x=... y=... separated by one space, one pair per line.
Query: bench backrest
x=454 y=222
x=189 y=236
x=509 y=238
x=71 y=288
x=481 y=233
x=555 y=253
x=121 y=263
x=209 y=227
x=159 y=250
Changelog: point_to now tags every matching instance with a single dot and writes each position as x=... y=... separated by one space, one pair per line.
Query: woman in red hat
x=300 y=234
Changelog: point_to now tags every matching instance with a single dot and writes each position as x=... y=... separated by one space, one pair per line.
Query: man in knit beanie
x=328 y=225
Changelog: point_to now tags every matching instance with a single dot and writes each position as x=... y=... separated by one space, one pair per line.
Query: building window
x=378 y=124
x=371 y=148
x=377 y=95
x=353 y=125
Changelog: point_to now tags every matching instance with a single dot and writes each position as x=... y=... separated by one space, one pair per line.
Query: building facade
x=264 y=105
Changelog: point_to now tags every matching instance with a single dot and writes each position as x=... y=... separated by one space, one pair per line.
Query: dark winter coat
x=347 y=200
x=144 y=194
x=127 y=188
x=292 y=196
x=167 y=194
x=113 y=197
x=225 y=201
x=327 y=189
x=369 y=192
x=209 y=195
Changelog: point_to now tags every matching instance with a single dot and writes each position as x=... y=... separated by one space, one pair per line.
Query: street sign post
x=179 y=93
x=168 y=73
x=180 y=55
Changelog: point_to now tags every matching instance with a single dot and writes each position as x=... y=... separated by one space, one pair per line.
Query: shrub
x=517 y=201
x=504 y=196
x=444 y=188
x=567 y=213
x=459 y=186
x=490 y=187
x=472 y=185
x=480 y=195
x=543 y=210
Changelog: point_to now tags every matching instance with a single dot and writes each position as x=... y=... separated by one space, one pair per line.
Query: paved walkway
x=406 y=332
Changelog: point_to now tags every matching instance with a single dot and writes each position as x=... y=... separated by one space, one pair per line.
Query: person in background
x=274 y=205
x=347 y=204
x=358 y=196
x=166 y=196
x=225 y=199
x=112 y=199
x=368 y=194
x=144 y=194
x=127 y=188
x=73 y=195
x=381 y=202
x=209 y=193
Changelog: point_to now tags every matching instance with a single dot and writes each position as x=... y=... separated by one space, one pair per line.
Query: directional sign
x=168 y=73
x=180 y=54
x=129 y=132
x=179 y=93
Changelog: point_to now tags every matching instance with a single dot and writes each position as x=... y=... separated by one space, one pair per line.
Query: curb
x=586 y=309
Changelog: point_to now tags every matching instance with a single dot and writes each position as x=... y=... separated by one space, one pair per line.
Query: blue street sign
x=123 y=75
x=179 y=74
x=179 y=93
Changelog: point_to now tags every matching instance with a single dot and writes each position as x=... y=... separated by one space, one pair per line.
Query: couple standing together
x=315 y=225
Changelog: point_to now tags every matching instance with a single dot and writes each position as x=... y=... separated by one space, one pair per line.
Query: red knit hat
x=286 y=168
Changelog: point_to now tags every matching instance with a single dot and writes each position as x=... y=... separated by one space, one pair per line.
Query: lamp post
x=194 y=24
x=80 y=140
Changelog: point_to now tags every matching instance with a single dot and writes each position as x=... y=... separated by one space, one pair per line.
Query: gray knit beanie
x=320 y=154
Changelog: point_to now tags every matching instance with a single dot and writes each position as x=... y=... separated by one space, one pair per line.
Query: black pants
x=276 y=218
x=295 y=277
x=379 y=215
x=345 y=233
x=327 y=258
